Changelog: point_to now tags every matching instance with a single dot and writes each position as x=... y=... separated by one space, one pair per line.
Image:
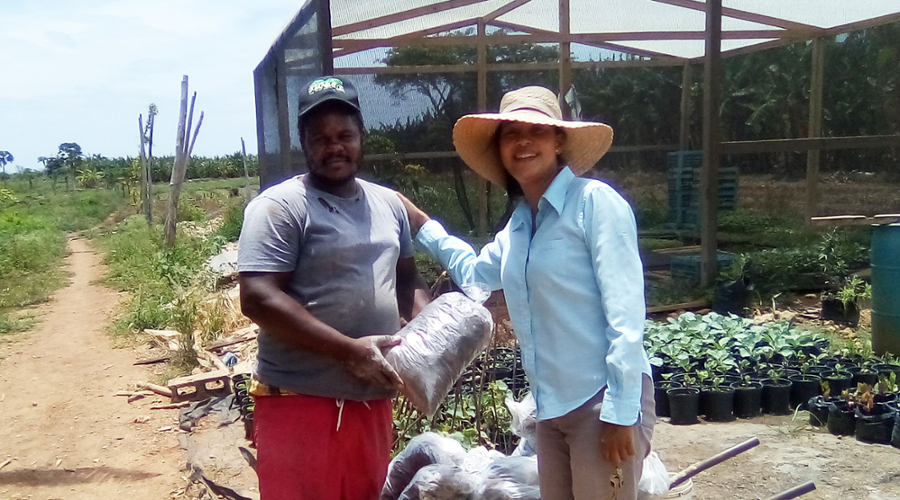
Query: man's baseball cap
x=328 y=88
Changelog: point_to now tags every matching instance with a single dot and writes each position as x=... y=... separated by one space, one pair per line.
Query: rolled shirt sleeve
x=459 y=258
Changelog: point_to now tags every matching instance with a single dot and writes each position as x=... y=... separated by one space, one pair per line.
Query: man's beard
x=325 y=181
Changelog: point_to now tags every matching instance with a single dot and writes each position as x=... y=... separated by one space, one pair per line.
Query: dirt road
x=66 y=435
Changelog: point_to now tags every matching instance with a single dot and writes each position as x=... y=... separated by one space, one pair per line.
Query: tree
x=52 y=166
x=5 y=159
x=641 y=104
x=454 y=94
x=70 y=156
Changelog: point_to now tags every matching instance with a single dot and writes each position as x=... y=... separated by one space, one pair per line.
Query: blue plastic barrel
x=886 y=289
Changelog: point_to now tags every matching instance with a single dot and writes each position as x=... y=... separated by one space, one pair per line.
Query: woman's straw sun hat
x=474 y=135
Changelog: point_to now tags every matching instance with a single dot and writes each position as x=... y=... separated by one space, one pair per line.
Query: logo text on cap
x=326 y=84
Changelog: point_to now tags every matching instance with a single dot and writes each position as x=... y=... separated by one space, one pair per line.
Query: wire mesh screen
x=265 y=83
x=296 y=57
x=765 y=96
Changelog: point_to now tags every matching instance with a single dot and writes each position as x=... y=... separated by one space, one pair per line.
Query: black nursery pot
x=838 y=381
x=885 y=369
x=719 y=403
x=661 y=398
x=829 y=361
x=841 y=419
x=876 y=426
x=895 y=435
x=776 y=396
x=834 y=310
x=885 y=398
x=732 y=297
x=747 y=399
x=683 y=405
x=803 y=387
x=818 y=411
x=819 y=370
x=865 y=376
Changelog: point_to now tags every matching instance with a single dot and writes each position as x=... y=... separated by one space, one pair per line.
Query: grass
x=16 y=322
x=232 y=222
x=153 y=276
x=171 y=288
x=658 y=243
x=859 y=344
x=673 y=291
x=34 y=221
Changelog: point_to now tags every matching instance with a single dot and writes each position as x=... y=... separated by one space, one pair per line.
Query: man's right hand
x=367 y=362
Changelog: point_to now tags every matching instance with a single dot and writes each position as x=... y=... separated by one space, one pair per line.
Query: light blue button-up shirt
x=575 y=293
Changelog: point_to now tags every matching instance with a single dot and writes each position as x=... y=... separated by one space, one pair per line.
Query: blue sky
x=82 y=70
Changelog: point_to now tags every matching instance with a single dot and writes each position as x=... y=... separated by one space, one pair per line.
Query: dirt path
x=790 y=453
x=65 y=432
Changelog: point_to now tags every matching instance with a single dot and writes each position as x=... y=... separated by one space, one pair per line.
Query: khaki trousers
x=570 y=463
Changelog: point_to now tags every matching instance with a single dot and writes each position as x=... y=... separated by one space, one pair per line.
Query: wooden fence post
x=246 y=171
x=145 y=187
x=184 y=145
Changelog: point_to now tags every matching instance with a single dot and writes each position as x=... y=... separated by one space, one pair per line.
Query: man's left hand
x=617 y=442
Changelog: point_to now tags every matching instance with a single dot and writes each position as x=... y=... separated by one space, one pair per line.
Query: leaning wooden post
x=183 y=147
x=144 y=185
x=148 y=172
x=246 y=170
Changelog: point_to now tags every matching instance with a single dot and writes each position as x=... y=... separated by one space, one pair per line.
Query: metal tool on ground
x=701 y=466
x=795 y=492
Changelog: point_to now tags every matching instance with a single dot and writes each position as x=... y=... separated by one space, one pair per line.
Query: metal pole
x=795 y=491
x=716 y=459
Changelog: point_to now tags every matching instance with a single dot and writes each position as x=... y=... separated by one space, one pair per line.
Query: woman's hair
x=513 y=188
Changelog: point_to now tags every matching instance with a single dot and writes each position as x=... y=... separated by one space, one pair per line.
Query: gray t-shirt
x=343 y=255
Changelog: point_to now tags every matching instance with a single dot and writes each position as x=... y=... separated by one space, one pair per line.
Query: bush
x=190 y=212
x=140 y=264
x=813 y=267
x=233 y=221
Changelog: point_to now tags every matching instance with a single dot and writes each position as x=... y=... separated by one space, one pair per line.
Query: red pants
x=303 y=454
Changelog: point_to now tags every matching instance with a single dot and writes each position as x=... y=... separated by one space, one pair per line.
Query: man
x=326 y=271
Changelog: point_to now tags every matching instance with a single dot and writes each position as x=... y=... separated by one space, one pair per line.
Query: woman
x=569 y=266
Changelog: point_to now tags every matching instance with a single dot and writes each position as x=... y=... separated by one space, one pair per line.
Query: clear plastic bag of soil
x=482 y=475
x=437 y=346
x=523 y=422
x=421 y=451
x=514 y=469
